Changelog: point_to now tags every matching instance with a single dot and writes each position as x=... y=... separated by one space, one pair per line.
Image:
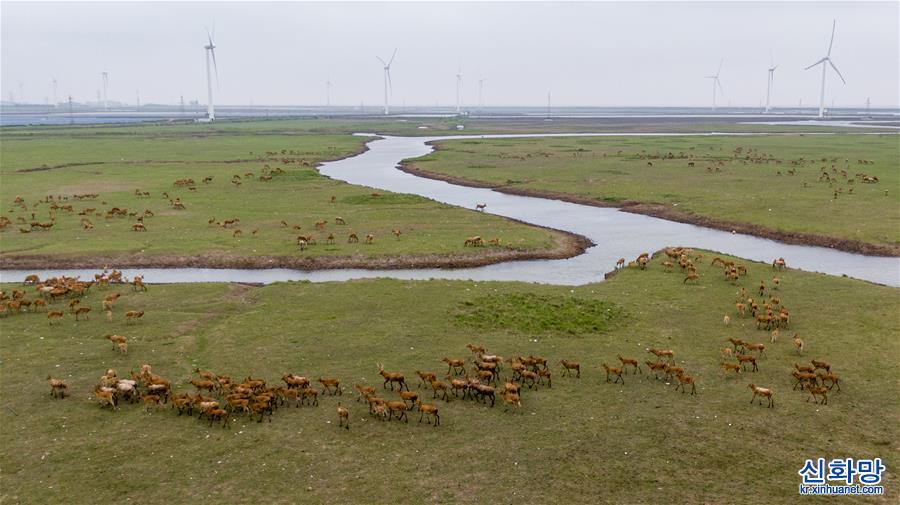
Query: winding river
x=617 y=234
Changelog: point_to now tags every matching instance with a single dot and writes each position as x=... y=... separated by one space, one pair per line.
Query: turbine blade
x=814 y=64
x=719 y=83
x=390 y=84
x=392 y=57
x=720 y=67
x=773 y=68
x=836 y=70
x=831 y=42
x=382 y=61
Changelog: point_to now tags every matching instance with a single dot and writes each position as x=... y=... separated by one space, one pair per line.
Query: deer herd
x=485 y=379
x=767 y=310
x=71 y=291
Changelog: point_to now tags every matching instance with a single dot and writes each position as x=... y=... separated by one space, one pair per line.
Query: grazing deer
x=480 y=206
x=82 y=310
x=133 y=315
x=54 y=316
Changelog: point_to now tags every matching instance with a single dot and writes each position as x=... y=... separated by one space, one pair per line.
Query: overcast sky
x=601 y=53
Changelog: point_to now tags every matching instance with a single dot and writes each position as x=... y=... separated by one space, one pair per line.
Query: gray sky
x=600 y=53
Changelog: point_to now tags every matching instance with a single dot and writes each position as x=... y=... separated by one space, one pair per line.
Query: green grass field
x=583 y=441
x=152 y=158
x=759 y=190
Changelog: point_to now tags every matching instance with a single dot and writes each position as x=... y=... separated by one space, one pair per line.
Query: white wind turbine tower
x=771 y=83
x=53 y=82
x=480 y=89
x=826 y=59
x=105 y=75
x=458 y=89
x=388 y=86
x=210 y=54
x=716 y=83
x=328 y=93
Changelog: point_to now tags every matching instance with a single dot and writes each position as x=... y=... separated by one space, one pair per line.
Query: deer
x=729 y=367
x=798 y=344
x=817 y=391
x=763 y=393
x=480 y=206
x=656 y=367
x=431 y=411
x=683 y=381
x=569 y=366
x=747 y=358
x=627 y=361
x=58 y=388
x=425 y=378
x=370 y=239
x=343 y=416
x=364 y=391
x=455 y=366
x=476 y=349
x=659 y=353
x=693 y=276
x=54 y=315
x=756 y=347
x=328 y=383
x=133 y=315
x=352 y=238
x=830 y=377
x=396 y=406
x=821 y=364
x=441 y=386
x=617 y=372
x=82 y=310
x=391 y=378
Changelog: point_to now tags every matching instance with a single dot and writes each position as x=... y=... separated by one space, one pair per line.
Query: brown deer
x=391 y=378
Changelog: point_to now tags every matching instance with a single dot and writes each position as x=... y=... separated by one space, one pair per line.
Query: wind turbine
x=771 y=83
x=328 y=93
x=458 y=88
x=388 y=86
x=210 y=54
x=53 y=82
x=105 y=75
x=826 y=59
x=480 y=88
x=716 y=83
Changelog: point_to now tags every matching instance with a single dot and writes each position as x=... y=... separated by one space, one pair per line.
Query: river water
x=617 y=234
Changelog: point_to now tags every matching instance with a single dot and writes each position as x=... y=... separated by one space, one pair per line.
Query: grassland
x=583 y=441
x=757 y=189
x=152 y=158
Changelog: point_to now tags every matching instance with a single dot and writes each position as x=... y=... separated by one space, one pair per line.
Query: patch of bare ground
x=665 y=212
